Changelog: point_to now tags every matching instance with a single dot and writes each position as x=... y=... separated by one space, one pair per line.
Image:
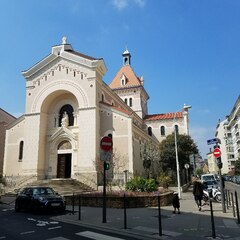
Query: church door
x=64 y=165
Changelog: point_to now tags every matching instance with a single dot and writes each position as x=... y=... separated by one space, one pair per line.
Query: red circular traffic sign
x=217 y=152
x=106 y=144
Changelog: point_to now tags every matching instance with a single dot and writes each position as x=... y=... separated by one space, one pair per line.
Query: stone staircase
x=63 y=186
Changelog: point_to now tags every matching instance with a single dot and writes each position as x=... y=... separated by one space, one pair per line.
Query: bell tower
x=130 y=87
x=126 y=58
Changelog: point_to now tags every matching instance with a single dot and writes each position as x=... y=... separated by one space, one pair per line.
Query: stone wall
x=118 y=201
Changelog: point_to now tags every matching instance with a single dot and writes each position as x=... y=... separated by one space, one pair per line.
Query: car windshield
x=207 y=177
x=43 y=191
x=211 y=182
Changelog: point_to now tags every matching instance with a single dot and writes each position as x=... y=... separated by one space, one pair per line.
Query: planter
x=140 y=200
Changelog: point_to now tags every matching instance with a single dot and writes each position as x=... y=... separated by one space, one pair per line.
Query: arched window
x=162 y=131
x=149 y=131
x=125 y=100
x=176 y=128
x=130 y=102
x=20 y=156
x=68 y=109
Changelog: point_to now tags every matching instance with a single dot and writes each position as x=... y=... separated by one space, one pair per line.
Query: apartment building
x=228 y=131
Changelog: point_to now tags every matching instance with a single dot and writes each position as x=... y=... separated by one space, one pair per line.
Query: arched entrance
x=64 y=163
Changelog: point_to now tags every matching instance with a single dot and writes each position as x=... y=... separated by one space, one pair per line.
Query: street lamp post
x=185 y=108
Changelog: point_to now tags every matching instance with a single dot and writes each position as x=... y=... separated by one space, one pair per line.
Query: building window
x=102 y=98
x=125 y=100
x=130 y=102
x=74 y=74
x=66 y=109
x=20 y=157
x=162 y=131
x=149 y=131
x=67 y=70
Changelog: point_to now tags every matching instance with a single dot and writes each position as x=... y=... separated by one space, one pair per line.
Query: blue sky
x=187 y=50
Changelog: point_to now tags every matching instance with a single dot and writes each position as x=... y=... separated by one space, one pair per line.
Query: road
x=24 y=226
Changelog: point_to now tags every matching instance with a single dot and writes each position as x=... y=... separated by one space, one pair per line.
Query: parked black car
x=39 y=199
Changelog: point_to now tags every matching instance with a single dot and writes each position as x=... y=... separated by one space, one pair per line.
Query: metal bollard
x=212 y=219
x=237 y=209
x=125 y=211
x=79 y=207
x=233 y=206
x=226 y=197
x=229 y=197
x=159 y=217
x=73 y=203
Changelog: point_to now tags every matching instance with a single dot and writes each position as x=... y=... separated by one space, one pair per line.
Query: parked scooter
x=213 y=193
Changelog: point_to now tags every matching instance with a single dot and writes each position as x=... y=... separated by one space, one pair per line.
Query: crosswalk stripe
x=97 y=236
x=154 y=230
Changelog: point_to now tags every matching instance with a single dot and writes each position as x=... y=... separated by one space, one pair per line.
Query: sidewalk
x=142 y=223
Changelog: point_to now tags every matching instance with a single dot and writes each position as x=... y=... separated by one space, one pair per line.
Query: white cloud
x=140 y=3
x=120 y=4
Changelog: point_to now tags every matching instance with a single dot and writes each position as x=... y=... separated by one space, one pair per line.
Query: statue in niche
x=65 y=120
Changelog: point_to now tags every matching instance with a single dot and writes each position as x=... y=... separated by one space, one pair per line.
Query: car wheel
x=17 y=207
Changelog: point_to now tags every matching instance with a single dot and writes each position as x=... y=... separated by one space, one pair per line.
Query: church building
x=69 y=109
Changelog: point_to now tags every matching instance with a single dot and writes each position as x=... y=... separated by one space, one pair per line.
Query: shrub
x=164 y=180
x=141 y=184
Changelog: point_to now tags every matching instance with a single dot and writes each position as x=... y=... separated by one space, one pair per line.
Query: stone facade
x=69 y=108
x=5 y=120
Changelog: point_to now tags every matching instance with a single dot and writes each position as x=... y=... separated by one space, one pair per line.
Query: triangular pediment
x=62 y=52
x=61 y=133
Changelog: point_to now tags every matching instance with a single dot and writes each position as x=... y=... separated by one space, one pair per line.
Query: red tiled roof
x=132 y=79
x=155 y=117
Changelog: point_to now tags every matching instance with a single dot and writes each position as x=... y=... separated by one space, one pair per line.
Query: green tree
x=149 y=156
x=167 y=154
x=237 y=167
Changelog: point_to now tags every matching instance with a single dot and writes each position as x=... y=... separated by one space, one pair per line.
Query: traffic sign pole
x=106 y=145
x=217 y=154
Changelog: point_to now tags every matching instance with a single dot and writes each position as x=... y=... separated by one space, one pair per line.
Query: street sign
x=217 y=152
x=105 y=156
x=213 y=141
x=106 y=144
x=186 y=166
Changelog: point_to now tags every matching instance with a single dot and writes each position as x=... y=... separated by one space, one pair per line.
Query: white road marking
x=52 y=228
x=155 y=231
x=29 y=232
x=97 y=236
x=58 y=238
x=53 y=222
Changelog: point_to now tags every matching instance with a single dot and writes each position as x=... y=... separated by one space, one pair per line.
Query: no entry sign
x=106 y=144
x=217 y=152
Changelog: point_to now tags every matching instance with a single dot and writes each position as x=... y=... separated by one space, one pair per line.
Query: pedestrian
x=176 y=203
x=198 y=192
